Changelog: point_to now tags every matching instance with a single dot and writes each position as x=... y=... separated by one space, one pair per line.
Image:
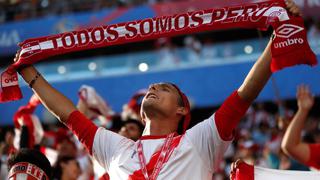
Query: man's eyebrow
x=168 y=86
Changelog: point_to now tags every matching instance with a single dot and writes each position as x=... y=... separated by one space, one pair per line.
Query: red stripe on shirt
x=83 y=128
x=229 y=114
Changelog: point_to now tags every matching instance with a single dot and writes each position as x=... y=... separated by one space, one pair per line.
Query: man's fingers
x=289 y=3
x=232 y=170
x=232 y=167
x=293 y=8
x=237 y=163
x=16 y=58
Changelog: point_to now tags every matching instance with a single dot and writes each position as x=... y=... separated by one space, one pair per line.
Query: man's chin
x=149 y=103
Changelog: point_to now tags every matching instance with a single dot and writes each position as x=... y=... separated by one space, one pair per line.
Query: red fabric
x=290 y=46
x=83 y=128
x=229 y=114
x=150 y=166
x=314 y=160
x=250 y=14
x=25 y=112
x=244 y=172
x=105 y=177
x=43 y=150
x=10 y=90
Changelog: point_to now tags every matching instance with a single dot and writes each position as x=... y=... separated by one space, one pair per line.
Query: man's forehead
x=168 y=85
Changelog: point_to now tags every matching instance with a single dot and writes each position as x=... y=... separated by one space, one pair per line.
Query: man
x=160 y=153
x=292 y=145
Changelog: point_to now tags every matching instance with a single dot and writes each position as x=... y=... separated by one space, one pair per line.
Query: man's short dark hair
x=31 y=156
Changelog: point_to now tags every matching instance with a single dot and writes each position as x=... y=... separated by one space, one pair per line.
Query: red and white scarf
x=31 y=121
x=249 y=172
x=290 y=46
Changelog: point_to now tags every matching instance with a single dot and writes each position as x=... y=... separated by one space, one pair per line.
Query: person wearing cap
x=167 y=149
x=28 y=164
x=292 y=145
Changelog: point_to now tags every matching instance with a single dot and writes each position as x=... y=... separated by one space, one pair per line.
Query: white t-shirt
x=196 y=157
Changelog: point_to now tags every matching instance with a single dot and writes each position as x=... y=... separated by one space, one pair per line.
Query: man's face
x=161 y=98
x=131 y=131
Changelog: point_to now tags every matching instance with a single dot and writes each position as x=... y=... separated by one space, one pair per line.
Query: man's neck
x=159 y=128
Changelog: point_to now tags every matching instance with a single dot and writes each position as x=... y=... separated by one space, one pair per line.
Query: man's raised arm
x=257 y=77
x=53 y=100
x=260 y=72
x=235 y=106
x=60 y=106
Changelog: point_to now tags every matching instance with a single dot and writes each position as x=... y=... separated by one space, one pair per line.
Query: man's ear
x=182 y=111
x=143 y=117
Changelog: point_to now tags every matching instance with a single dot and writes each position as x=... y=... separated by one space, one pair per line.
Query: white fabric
x=52 y=155
x=273 y=174
x=94 y=100
x=197 y=156
x=38 y=130
x=37 y=133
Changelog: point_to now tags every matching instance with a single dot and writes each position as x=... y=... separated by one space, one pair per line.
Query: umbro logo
x=288 y=30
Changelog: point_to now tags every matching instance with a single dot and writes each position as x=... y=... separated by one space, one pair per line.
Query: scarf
x=31 y=121
x=290 y=46
x=94 y=102
x=249 y=172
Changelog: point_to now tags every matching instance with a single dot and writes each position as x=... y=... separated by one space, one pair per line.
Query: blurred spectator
x=166 y=53
x=314 y=31
x=193 y=47
x=131 y=110
x=6 y=148
x=209 y=53
x=23 y=163
x=66 y=168
x=19 y=10
x=292 y=144
x=227 y=51
x=132 y=129
x=65 y=144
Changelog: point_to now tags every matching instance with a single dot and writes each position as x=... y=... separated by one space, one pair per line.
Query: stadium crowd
x=15 y=10
x=257 y=141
